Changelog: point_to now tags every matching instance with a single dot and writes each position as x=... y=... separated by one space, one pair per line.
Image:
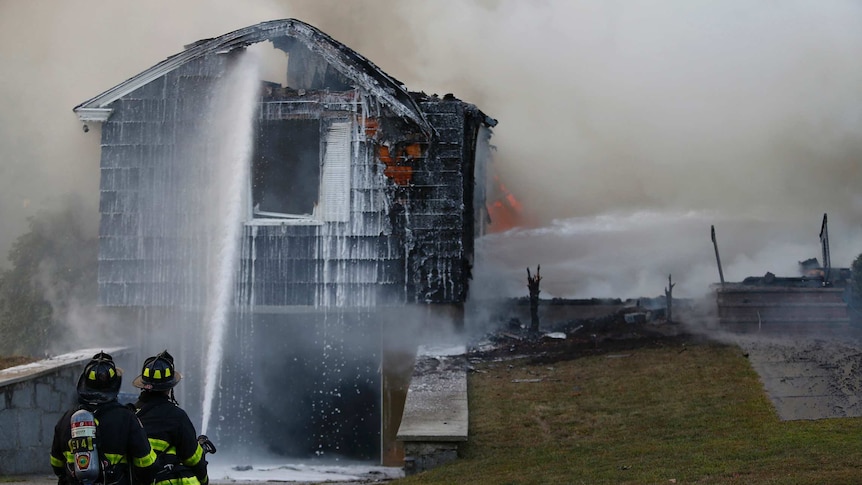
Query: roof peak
x=363 y=73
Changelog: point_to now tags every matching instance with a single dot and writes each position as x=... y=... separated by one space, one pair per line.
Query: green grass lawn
x=682 y=413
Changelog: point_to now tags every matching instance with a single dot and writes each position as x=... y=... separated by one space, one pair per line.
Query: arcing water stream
x=232 y=113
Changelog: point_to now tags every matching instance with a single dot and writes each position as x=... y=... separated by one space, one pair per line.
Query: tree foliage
x=53 y=267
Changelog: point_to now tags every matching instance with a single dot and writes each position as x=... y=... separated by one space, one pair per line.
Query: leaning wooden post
x=717 y=258
x=533 y=286
x=668 y=294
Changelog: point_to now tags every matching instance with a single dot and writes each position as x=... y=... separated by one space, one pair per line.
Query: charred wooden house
x=358 y=197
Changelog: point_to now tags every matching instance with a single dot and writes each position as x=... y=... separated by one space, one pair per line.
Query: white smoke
x=744 y=113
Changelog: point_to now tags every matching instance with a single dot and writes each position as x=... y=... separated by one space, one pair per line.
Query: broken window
x=296 y=176
x=301 y=165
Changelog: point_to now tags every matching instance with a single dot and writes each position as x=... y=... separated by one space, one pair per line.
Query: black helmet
x=100 y=382
x=158 y=373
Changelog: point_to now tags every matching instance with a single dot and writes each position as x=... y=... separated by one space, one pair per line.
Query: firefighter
x=171 y=432
x=120 y=451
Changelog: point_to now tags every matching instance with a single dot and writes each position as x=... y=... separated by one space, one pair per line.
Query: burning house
x=274 y=230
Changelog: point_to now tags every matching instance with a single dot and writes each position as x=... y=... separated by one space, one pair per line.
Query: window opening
x=286 y=168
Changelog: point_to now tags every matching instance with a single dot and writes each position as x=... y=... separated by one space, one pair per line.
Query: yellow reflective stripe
x=163 y=446
x=159 y=445
x=146 y=460
x=114 y=458
x=194 y=459
x=179 y=481
x=56 y=462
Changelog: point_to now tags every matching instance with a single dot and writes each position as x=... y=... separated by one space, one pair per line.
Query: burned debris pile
x=580 y=328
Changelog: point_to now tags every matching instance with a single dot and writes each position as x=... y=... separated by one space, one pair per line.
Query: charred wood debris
x=594 y=327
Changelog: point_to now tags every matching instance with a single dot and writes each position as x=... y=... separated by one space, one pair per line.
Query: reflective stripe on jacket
x=121 y=441
x=172 y=435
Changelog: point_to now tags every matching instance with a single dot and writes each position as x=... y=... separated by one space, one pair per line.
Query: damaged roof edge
x=347 y=61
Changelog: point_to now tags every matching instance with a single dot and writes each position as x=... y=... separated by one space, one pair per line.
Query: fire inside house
x=282 y=234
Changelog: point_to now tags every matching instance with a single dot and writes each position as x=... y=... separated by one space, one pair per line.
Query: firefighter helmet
x=100 y=382
x=158 y=373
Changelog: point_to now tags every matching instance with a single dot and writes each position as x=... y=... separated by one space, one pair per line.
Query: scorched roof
x=348 y=62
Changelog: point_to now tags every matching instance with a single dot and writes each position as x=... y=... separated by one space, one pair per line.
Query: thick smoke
x=57 y=55
x=626 y=128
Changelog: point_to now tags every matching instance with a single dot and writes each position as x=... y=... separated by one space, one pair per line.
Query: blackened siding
x=359 y=263
x=441 y=215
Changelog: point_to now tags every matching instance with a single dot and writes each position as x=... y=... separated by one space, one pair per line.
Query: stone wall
x=35 y=396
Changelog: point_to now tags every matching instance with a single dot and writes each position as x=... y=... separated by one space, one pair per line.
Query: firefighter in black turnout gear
x=169 y=429
x=119 y=453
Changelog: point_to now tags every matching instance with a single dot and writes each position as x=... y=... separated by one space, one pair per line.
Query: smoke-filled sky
x=626 y=129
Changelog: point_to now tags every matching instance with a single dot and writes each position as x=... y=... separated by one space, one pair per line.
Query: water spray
x=234 y=129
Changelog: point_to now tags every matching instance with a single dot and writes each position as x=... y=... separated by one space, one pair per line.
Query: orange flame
x=504 y=209
x=399 y=162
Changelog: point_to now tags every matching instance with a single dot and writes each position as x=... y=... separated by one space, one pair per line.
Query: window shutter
x=334 y=204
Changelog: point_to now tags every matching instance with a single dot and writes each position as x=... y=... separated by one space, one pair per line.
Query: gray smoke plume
x=626 y=128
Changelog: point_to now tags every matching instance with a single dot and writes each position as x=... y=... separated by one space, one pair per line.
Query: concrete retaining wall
x=35 y=396
x=435 y=418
